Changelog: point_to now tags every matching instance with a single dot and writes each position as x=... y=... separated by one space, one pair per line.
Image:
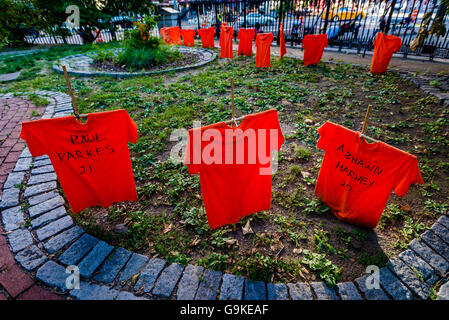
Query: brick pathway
x=13 y=112
x=14 y=282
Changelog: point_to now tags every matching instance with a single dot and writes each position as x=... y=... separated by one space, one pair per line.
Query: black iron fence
x=73 y=36
x=348 y=23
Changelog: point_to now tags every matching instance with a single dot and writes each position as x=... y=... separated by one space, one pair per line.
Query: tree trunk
x=87 y=36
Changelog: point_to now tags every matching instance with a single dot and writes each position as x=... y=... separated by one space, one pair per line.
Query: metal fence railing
x=73 y=37
x=348 y=23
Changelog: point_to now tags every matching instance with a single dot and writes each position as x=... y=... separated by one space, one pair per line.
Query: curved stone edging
x=79 y=65
x=45 y=240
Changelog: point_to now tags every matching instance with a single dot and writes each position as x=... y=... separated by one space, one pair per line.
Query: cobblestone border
x=79 y=65
x=44 y=240
x=423 y=82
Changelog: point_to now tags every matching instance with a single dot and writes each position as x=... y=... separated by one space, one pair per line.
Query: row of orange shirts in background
x=384 y=45
x=313 y=44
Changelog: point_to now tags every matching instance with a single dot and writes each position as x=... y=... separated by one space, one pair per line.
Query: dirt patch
x=186 y=59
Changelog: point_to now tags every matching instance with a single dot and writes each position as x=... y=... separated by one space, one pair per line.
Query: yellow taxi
x=344 y=13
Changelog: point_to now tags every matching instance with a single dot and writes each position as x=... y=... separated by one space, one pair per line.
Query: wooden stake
x=365 y=123
x=75 y=106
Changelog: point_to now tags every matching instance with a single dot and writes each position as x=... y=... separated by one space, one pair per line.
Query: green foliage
x=410 y=230
x=144 y=58
x=17 y=19
x=196 y=218
x=177 y=257
x=392 y=212
x=262 y=239
x=140 y=37
x=435 y=207
x=143 y=51
x=322 y=243
x=289 y=227
x=169 y=219
x=218 y=238
x=433 y=293
x=257 y=267
x=102 y=54
x=315 y=206
x=326 y=270
x=32 y=63
x=348 y=237
x=295 y=172
x=303 y=153
x=413 y=229
x=215 y=261
x=37 y=100
x=94 y=14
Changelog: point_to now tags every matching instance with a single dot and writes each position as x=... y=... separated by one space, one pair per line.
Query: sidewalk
x=15 y=283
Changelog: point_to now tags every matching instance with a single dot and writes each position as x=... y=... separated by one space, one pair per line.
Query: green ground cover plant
x=298 y=239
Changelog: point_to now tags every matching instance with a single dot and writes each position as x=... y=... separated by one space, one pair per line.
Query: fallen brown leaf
x=167 y=228
x=247 y=229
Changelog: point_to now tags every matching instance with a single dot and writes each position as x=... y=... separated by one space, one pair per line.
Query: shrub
x=142 y=58
x=140 y=37
x=144 y=51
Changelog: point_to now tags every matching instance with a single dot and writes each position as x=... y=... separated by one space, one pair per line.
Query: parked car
x=233 y=17
x=397 y=6
x=344 y=13
x=124 y=21
x=402 y=18
x=253 y=17
x=400 y=21
x=304 y=12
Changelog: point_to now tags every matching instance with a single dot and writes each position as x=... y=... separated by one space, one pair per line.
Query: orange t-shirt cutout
x=246 y=37
x=263 y=46
x=91 y=160
x=188 y=36
x=356 y=177
x=384 y=47
x=313 y=48
x=232 y=188
x=165 y=34
x=207 y=37
x=226 y=34
x=282 y=48
x=175 y=35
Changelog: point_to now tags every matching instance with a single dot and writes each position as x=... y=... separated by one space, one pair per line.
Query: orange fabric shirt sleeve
x=132 y=128
x=409 y=174
x=33 y=134
x=189 y=157
x=324 y=133
x=275 y=125
x=398 y=45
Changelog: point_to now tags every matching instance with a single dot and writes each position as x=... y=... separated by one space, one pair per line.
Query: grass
x=142 y=58
x=326 y=270
x=32 y=63
x=298 y=239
